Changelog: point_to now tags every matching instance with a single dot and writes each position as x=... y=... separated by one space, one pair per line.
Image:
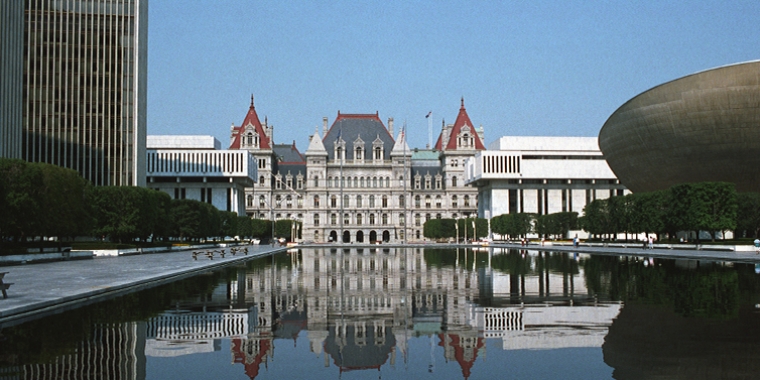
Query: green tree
x=706 y=206
x=22 y=209
x=244 y=227
x=262 y=228
x=187 y=219
x=748 y=214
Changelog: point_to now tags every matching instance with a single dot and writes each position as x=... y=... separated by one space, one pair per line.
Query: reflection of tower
x=462 y=346
x=112 y=352
x=252 y=352
x=361 y=306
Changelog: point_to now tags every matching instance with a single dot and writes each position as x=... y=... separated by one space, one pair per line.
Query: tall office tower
x=11 y=74
x=84 y=87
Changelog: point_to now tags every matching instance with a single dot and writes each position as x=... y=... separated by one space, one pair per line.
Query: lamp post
x=456 y=227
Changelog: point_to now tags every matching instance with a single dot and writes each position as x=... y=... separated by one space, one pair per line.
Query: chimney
x=390 y=126
x=324 y=126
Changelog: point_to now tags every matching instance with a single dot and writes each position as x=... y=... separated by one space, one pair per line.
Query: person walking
x=757 y=246
x=651 y=242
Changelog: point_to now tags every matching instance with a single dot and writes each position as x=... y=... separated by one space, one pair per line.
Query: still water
x=411 y=313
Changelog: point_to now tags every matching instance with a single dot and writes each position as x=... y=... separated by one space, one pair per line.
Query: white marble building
x=194 y=167
x=541 y=175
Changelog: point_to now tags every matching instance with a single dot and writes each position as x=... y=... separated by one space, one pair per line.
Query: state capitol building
x=356 y=182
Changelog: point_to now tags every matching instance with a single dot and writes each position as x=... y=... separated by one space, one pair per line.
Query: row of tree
x=42 y=200
x=705 y=206
x=520 y=224
x=443 y=229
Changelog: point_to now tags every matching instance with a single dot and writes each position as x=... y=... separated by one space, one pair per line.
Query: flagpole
x=406 y=220
x=430 y=130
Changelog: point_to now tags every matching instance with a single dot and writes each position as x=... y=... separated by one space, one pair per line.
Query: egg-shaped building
x=702 y=127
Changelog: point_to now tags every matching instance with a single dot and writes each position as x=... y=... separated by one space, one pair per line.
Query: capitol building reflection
x=359 y=309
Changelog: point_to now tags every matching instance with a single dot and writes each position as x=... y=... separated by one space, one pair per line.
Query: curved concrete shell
x=702 y=127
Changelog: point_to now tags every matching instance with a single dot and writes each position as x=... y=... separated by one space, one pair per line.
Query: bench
x=4 y=285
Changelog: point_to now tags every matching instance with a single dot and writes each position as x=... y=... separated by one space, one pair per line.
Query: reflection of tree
x=708 y=290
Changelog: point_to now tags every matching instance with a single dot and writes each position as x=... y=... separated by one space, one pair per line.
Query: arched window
x=359 y=219
x=454 y=201
x=385 y=201
x=454 y=181
x=402 y=220
x=346 y=218
x=427 y=201
x=316 y=181
x=289 y=201
x=261 y=180
x=262 y=201
x=345 y=201
x=316 y=201
x=316 y=219
x=466 y=201
x=438 y=201
x=358 y=201
x=385 y=219
x=387 y=181
x=333 y=219
x=249 y=200
x=374 y=181
x=416 y=201
x=417 y=220
x=401 y=201
x=333 y=201
x=278 y=201
x=371 y=219
x=371 y=201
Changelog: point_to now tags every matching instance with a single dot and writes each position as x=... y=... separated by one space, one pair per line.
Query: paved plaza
x=50 y=287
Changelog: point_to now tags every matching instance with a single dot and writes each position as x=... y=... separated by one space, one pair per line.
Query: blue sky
x=541 y=68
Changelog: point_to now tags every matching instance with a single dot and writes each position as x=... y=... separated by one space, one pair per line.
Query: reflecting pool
x=411 y=313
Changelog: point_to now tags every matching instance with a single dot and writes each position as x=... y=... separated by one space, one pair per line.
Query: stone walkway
x=42 y=288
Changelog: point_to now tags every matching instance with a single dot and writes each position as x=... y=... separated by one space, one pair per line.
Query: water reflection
x=399 y=312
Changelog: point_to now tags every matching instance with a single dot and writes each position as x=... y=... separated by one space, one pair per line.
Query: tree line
x=43 y=200
x=447 y=228
x=706 y=206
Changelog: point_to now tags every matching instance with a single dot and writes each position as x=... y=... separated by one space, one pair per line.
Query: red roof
x=253 y=119
x=462 y=120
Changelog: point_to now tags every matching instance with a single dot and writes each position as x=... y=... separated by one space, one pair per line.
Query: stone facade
x=358 y=183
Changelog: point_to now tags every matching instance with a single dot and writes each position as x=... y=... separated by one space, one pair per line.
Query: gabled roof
x=349 y=127
x=315 y=145
x=251 y=118
x=462 y=120
x=401 y=148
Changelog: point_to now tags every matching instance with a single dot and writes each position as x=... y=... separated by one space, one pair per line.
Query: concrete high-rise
x=84 y=78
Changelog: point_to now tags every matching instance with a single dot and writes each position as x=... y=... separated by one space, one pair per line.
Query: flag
x=428 y=115
x=340 y=132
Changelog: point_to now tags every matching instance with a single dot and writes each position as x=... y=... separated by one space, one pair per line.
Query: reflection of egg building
x=701 y=127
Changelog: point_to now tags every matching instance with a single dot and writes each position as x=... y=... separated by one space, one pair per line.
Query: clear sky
x=534 y=68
